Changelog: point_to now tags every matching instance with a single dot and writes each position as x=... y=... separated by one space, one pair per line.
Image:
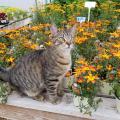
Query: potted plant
x=117 y=95
x=85 y=86
x=108 y=60
x=5 y=90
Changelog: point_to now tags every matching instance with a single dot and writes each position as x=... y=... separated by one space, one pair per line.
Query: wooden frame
x=18 y=113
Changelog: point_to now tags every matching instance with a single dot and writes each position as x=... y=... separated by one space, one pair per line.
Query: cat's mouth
x=70 y=46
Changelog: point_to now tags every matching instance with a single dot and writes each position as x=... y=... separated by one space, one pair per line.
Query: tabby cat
x=43 y=70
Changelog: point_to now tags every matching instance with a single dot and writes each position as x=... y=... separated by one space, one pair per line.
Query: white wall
x=44 y=1
x=23 y=4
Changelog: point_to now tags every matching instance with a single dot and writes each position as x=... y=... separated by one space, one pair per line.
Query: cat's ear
x=72 y=30
x=53 y=29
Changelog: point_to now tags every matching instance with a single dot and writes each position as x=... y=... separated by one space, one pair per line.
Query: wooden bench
x=24 y=108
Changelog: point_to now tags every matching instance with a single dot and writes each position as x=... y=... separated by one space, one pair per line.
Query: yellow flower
x=11 y=59
x=118 y=10
x=71 y=6
x=49 y=43
x=2 y=46
x=91 y=78
x=115 y=34
x=77 y=72
x=97 y=31
x=86 y=34
x=82 y=61
x=99 y=67
x=104 y=56
x=106 y=22
x=2 y=51
x=116 y=45
x=79 y=29
x=117 y=54
x=34 y=46
x=47 y=32
x=85 y=68
x=109 y=67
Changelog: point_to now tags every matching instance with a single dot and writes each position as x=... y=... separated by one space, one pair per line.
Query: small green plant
x=4 y=91
x=117 y=90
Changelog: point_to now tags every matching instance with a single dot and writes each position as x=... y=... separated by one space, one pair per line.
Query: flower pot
x=118 y=104
x=82 y=104
x=77 y=100
x=105 y=88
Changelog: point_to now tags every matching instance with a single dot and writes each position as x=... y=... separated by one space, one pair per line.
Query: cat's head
x=64 y=38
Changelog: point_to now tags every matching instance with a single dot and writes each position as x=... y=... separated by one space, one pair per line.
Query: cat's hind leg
x=31 y=93
x=34 y=95
x=41 y=96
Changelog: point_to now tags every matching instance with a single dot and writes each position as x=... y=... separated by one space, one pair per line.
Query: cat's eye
x=61 y=39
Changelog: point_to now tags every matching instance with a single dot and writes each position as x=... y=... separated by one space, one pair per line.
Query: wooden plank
x=3 y=119
x=19 y=113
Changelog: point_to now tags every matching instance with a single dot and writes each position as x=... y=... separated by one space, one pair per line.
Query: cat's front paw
x=39 y=98
x=55 y=100
x=60 y=93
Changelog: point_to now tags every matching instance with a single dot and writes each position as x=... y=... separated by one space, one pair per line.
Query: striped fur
x=43 y=69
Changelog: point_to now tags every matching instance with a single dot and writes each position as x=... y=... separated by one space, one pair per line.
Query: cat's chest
x=64 y=62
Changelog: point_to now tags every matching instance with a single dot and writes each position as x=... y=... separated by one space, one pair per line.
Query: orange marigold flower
x=68 y=74
x=80 y=40
x=34 y=46
x=85 y=68
x=82 y=61
x=92 y=68
x=80 y=80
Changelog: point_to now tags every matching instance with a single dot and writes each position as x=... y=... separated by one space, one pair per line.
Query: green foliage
x=87 y=49
x=117 y=90
x=62 y=2
x=4 y=91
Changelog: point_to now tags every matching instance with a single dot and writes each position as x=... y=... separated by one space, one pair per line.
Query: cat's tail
x=4 y=74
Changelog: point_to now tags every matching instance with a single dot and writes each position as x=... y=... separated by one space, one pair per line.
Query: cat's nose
x=68 y=43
